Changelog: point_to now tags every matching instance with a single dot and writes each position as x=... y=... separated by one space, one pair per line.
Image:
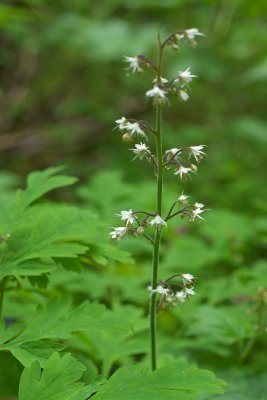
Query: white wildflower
x=160 y=290
x=134 y=129
x=188 y=278
x=158 y=95
x=197 y=152
x=118 y=232
x=189 y=291
x=199 y=205
x=185 y=76
x=183 y=95
x=141 y=150
x=172 y=153
x=134 y=63
x=182 y=171
x=182 y=199
x=158 y=221
x=196 y=214
x=162 y=80
x=180 y=296
x=121 y=123
x=191 y=33
x=127 y=216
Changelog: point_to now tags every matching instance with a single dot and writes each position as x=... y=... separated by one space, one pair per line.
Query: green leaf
x=38 y=183
x=57 y=381
x=106 y=202
x=41 y=182
x=58 y=320
x=119 y=337
x=219 y=328
x=112 y=252
x=10 y=371
x=47 y=231
x=176 y=381
x=39 y=351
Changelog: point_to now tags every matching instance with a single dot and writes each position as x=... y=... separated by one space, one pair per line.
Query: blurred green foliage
x=63 y=85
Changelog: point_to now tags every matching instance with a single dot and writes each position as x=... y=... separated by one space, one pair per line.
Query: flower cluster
x=182 y=166
x=189 y=34
x=134 y=225
x=137 y=63
x=130 y=129
x=192 y=211
x=174 y=292
x=179 y=84
x=179 y=159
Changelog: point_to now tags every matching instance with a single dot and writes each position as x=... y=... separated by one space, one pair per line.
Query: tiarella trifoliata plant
x=182 y=160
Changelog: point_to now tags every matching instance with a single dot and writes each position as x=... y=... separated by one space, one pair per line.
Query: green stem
x=153 y=305
x=2 y=291
x=155 y=264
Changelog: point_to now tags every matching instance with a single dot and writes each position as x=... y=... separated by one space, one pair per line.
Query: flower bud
x=183 y=95
x=178 y=36
x=127 y=137
x=140 y=230
x=193 y=167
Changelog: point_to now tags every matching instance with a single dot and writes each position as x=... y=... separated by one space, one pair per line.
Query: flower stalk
x=162 y=292
x=156 y=249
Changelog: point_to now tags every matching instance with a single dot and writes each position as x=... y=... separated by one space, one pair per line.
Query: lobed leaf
x=59 y=380
x=175 y=381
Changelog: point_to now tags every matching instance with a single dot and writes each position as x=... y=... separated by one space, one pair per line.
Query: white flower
x=121 y=123
x=191 y=33
x=127 y=216
x=197 y=152
x=183 y=95
x=185 y=76
x=160 y=290
x=188 y=278
x=118 y=233
x=199 y=205
x=196 y=214
x=172 y=153
x=134 y=129
x=162 y=80
x=141 y=150
x=182 y=199
x=134 y=63
x=189 y=291
x=180 y=296
x=182 y=171
x=158 y=221
x=158 y=94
